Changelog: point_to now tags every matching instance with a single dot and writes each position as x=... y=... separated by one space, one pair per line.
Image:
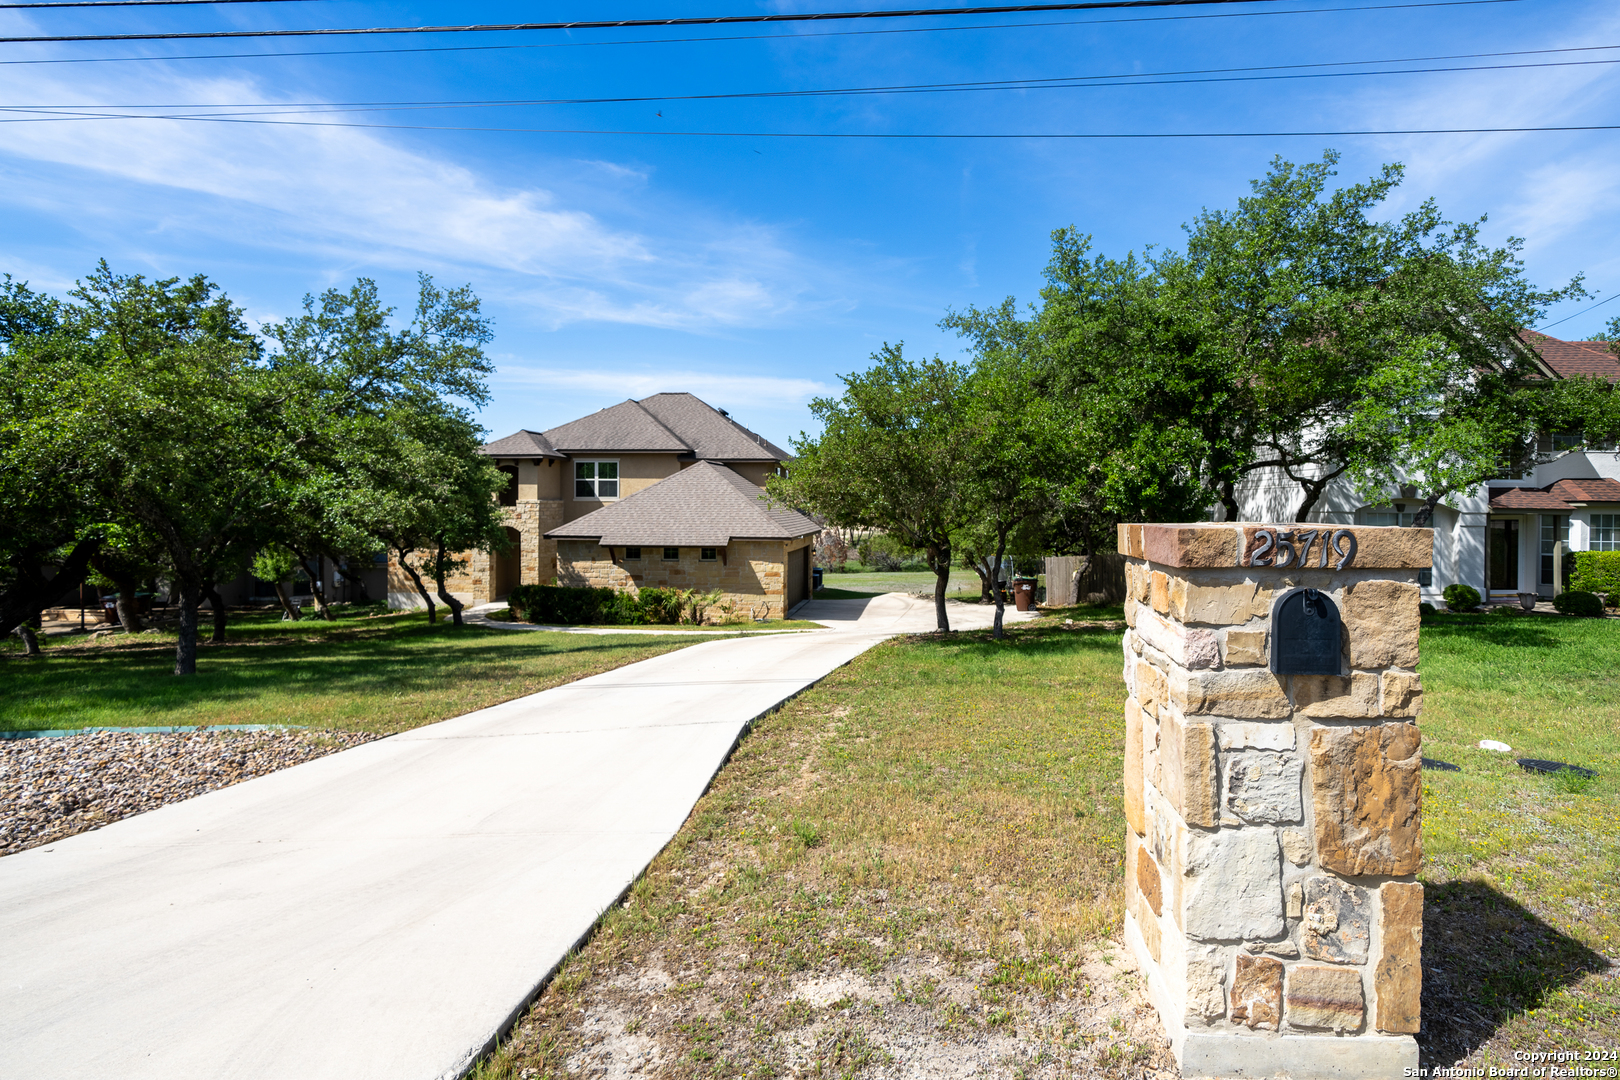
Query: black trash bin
x=815 y=579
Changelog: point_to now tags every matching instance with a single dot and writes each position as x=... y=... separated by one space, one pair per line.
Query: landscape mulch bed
x=55 y=787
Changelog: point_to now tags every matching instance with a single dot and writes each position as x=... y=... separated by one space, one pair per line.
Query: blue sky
x=754 y=270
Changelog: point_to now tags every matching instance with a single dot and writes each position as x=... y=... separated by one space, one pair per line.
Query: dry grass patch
x=911 y=870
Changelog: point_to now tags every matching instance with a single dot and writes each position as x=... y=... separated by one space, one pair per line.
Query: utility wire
x=1000 y=135
x=797 y=35
x=1578 y=314
x=1163 y=78
x=617 y=24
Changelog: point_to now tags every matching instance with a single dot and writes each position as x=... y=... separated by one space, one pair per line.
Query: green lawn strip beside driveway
x=380 y=675
x=964 y=584
x=1522 y=870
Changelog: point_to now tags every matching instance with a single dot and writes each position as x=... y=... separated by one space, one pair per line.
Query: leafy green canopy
x=1295 y=332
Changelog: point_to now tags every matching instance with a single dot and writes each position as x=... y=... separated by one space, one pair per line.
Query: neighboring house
x=1502 y=537
x=602 y=462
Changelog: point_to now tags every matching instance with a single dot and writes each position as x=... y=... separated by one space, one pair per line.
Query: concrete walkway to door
x=385 y=911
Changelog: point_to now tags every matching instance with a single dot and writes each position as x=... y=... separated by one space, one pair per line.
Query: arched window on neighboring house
x=509 y=493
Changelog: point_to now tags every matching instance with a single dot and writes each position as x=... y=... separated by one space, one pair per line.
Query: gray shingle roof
x=711 y=435
x=624 y=428
x=524 y=443
x=705 y=505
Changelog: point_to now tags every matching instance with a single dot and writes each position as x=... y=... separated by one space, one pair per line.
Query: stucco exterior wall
x=750 y=576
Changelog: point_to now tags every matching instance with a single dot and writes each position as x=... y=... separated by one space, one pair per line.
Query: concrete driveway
x=384 y=911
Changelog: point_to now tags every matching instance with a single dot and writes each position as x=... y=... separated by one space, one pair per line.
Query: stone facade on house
x=751 y=574
x=1273 y=820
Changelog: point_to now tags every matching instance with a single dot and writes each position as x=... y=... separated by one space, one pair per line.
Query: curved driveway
x=385 y=911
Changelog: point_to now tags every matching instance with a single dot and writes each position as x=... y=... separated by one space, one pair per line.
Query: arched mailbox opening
x=1306 y=634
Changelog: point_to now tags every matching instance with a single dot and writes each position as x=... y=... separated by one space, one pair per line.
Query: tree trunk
x=981 y=568
x=1421 y=519
x=451 y=602
x=345 y=572
x=939 y=561
x=185 y=650
x=312 y=568
x=1229 y=499
x=129 y=609
x=416 y=579
x=216 y=604
x=30 y=640
x=1001 y=594
x=33 y=591
x=286 y=602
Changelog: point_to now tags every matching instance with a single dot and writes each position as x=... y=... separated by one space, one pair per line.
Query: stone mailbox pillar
x=1273 y=794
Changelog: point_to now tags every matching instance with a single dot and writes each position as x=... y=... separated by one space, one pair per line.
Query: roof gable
x=705 y=505
x=712 y=435
x=524 y=443
x=1575 y=359
x=623 y=428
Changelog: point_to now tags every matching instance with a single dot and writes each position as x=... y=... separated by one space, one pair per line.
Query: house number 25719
x=1277 y=548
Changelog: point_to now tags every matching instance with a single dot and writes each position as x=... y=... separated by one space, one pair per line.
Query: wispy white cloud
x=361 y=198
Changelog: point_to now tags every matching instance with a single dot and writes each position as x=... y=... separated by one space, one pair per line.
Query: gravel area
x=51 y=788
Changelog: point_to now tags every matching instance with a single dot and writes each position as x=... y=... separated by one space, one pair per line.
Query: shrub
x=569 y=607
x=662 y=606
x=1597 y=572
x=1460 y=597
x=1425 y=609
x=1504 y=609
x=1579 y=603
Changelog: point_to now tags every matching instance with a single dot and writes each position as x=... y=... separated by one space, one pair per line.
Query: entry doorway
x=1502 y=554
x=508 y=566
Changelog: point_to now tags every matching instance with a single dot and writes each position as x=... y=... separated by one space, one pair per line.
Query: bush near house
x=1579 y=603
x=567 y=606
x=1597 y=572
x=1461 y=597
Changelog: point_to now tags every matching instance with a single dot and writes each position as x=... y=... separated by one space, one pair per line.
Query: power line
x=1050 y=83
x=618 y=24
x=1578 y=314
x=797 y=36
x=999 y=135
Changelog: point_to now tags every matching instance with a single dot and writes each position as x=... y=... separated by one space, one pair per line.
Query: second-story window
x=596 y=479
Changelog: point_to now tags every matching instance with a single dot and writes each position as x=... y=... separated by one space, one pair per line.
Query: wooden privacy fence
x=1070 y=579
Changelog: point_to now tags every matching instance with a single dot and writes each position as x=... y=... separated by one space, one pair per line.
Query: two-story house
x=1510 y=534
x=666 y=491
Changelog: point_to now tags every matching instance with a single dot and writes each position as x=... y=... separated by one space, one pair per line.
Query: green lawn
x=367 y=673
x=747 y=627
x=933 y=833
x=860 y=582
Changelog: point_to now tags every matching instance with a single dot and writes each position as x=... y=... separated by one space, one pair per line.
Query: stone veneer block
x=1248 y=735
x=1187 y=770
x=1352 y=697
x=1206 y=984
x=1381 y=619
x=1240 y=693
x=1296 y=846
x=1148 y=882
x=1320 y=996
x=1159 y=592
x=1130 y=541
x=1402 y=694
x=1246 y=647
x=1189 y=647
x=1398 y=977
x=1257 y=987
x=1183 y=545
x=1134 y=815
x=1338 y=921
x=1219 y=605
x=1264 y=788
x=1368 y=793
x=1150 y=685
x=1233 y=885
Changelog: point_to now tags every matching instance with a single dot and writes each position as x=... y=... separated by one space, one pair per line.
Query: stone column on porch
x=1273 y=819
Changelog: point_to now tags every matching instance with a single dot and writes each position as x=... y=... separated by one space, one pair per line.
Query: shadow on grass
x=1487 y=958
x=1509 y=631
x=397 y=661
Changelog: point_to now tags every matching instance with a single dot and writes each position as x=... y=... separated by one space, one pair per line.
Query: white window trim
x=617 y=479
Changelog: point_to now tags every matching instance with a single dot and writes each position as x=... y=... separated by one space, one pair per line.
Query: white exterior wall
x=1459 y=523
